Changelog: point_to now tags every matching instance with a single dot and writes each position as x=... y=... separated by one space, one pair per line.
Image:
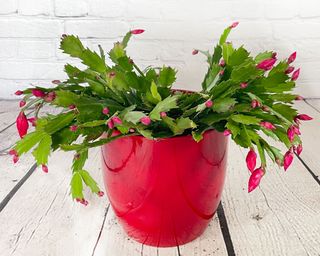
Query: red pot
x=165 y=192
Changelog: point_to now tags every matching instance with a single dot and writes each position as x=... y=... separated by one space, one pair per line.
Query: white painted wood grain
x=281 y=217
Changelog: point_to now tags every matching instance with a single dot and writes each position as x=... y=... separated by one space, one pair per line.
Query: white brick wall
x=30 y=32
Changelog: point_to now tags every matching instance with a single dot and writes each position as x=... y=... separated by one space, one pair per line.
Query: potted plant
x=164 y=150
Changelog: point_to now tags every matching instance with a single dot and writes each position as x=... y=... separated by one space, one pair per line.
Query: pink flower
x=304 y=117
x=295 y=75
x=38 y=93
x=226 y=132
x=116 y=120
x=299 y=149
x=32 y=120
x=222 y=63
x=287 y=160
x=18 y=93
x=100 y=193
x=73 y=128
x=105 y=111
x=110 y=124
x=22 y=103
x=255 y=179
x=289 y=70
x=290 y=133
x=137 y=31
x=292 y=57
x=221 y=72
x=267 y=125
x=145 y=120
x=163 y=114
x=72 y=106
x=296 y=130
x=209 y=103
x=50 y=97
x=45 y=168
x=266 y=64
x=234 y=24
x=15 y=155
x=195 y=52
x=251 y=160
x=243 y=85
x=56 y=82
x=22 y=124
x=255 y=104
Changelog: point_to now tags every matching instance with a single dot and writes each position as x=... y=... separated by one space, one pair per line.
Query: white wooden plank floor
x=38 y=217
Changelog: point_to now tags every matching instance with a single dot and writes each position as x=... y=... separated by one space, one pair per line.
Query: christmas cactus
x=249 y=98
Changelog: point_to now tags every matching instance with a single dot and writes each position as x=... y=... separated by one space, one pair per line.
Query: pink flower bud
x=72 y=106
x=290 y=133
x=163 y=114
x=110 y=124
x=33 y=121
x=255 y=103
x=18 y=93
x=274 y=55
x=38 y=93
x=56 y=82
x=195 y=52
x=116 y=120
x=226 y=132
x=131 y=130
x=296 y=130
x=265 y=109
x=298 y=97
x=243 y=85
x=251 y=160
x=299 y=149
x=267 y=125
x=221 y=72
x=295 y=75
x=45 y=168
x=22 y=124
x=112 y=74
x=222 y=63
x=289 y=70
x=100 y=193
x=304 y=117
x=82 y=201
x=209 y=103
x=234 y=24
x=13 y=152
x=292 y=57
x=105 y=111
x=15 y=159
x=266 y=64
x=137 y=31
x=287 y=160
x=22 y=103
x=50 y=97
x=73 y=128
x=255 y=179
x=145 y=120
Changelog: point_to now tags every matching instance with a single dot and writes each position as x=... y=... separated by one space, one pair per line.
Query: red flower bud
x=105 y=111
x=163 y=114
x=222 y=63
x=221 y=72
x=266 y=64
x=209 y=103
x=18 y=93
x=100 y=193
x=22 y=124
x=289 y=70
x=33 y=121
x=296 y=130
x=267 y=125
x=234 y=24
x=145 y=120
x=295 y=75
x=22 y=103
x=290 y=133
x=73 y=128
x=38 y=93
x=255 y=104
x=243 y=85
x=304 y=117
x=287 y=160
x=72 y=106
x=13 y=152
x=82 y=201
x=137 y=31
x=195 y=52
x=274 y=55
x=45 y=168
x=50 y=97
x=56 y=82
x=251 y=160
x=299 y=149
x=298 y=97
x=292 y=57
x=255 y=179
x=15 y=159
x=116 y=120
x=226 y=132
x=110 y=124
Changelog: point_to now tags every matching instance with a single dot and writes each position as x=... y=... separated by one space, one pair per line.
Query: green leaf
x=29 y=141
x=134 y=116
x=89 y=181
x=167 y=76
x=233 y=127
x=285 y=110
x=238 y=56
x=41 y=153
x=59 y=122
x=223 y=105
x=72 y=46
x=79 y=160
x=76 y=186
x=217 y=54
x=243 y=119
x=126 y=39
x=197 y=136
x=93 y=123
x=227 y=51
x=180 y=125
x=184 y=123
x=224 y=35
x=93 y=61
x=117 y=52
x=244 y=72
x=163 y=106
x=66 y=98
x=263 y=56
x=154 y=92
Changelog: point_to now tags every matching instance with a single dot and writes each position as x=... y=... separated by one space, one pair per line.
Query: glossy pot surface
x=165 y=192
